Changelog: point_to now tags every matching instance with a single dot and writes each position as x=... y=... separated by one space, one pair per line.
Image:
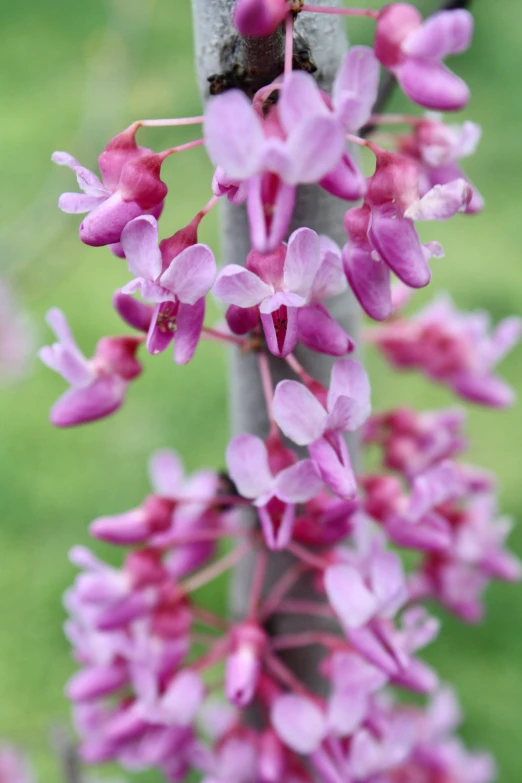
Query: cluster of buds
x=152 y=659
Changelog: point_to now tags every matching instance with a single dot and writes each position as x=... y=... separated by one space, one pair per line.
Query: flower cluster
x=150 y=657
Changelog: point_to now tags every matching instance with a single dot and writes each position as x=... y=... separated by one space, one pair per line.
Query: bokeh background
x=72 y=75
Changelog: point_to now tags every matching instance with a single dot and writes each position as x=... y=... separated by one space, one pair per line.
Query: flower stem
x=216 y=569
x=167 y=123
x=314 y=608
x=306 y=638
x=258 y=581
x=289 y=44
x=217 y=336
x=281 y=588
x=307 y=557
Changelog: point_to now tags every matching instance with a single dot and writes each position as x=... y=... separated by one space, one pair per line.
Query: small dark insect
x=238 y=77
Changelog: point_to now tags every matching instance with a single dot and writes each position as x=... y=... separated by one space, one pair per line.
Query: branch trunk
x=218 y=48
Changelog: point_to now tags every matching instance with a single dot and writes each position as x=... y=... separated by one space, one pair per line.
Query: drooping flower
x=98 y=385
x=130 y=186
x=454 y=348
x=176 y=276
x=273 y=479
x=413 y=51
x=304 y=420
x=288 y=286
x=382 y=237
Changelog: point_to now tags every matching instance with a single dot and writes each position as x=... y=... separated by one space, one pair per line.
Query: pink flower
x=299 y=140
x=304 y=420
x=382 y=237
x=275 y=496
x=413 y=51
x=176 y=276
x=98 y=385
x=130 y=186
x=437 y=147
x=453 y=348
x=16 y=337
x=288 y=286
x=248 y=646
x=412 y=442
x=13 y=766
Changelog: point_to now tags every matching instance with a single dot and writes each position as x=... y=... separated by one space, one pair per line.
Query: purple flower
x=275 y=496
x=304 y=420
x=413 y=51
x=248 y=646
x=98 y=385
x=130 y=186
x=288 y=286
x=453 y=348
x=176 y=276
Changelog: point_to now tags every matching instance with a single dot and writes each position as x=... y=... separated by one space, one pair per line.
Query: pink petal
x=135 y=313
x=100 y=399
x=139 y=240
x=299 y=99
x=348 y=595
x=183 y=698
x=345 y=180
x=104 y=225
x=320 y=332
x=298 y=722
x=190 y=323
x=162 y=327
x=166 y=473
x=484 y=389
x=277 y=537
x=330 y=279
x=283 y=341
x=299 y=483
x=350 y=379
x=281 y=299
x=268 y=231
x=355 y=87
x=247 y=462
x=87 y=180
x=302 y=262
x=298 y=413
x=237 y=285
x=78 y=203
x=387 y=581
x=432 y=85
x=346 y=711
x=442 y=201
x=191 y=273
x=447 y=32
x=233 y=134
x=333 y=463
x=370 y=281
x=316 y=147
x=396 y=241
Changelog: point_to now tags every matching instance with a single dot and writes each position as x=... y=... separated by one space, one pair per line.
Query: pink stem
x=216 y=569
x=394 y=119
x=258 y=581
x=307 y=557
x=306 y=638
x=266 y=382
x=215 y=654
x=211 y=204
x=295 y=606
x=217 y=336
x=318 y=9
x=280 y=588
x=278 y=669
x=299 y=369
x=182 y=148
x=206 y=617
x=169 y=122
x=289 y=44
x=206 y=535
x=357 y=140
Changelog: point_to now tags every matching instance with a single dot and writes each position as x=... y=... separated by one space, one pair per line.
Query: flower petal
x=237 y=285
x=139 y=240
x=320 y=332
x=432 y=85
x=191 y=273
x=330 y=279
x=299 y=483
x=90 y=403
x=299 y=723
x=298 y=413
x=333 y=463
x=247 y=462
x=190 y=322
x=442 y=201
x=166 y=473
x=316 y=146
x=355 y=87
x=447 y=32
x=233 y=134
x=369 y=279
x=78 y=203
x=302 y=262
x=350 y=380
x=396 y=241
x=299 y=98
x=349 y=597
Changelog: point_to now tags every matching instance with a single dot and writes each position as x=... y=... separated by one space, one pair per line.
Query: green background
x=72 y=75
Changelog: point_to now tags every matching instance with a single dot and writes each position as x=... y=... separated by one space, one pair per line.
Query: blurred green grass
x=71 y=76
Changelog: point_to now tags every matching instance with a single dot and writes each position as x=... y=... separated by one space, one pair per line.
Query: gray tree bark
x=218 y=49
